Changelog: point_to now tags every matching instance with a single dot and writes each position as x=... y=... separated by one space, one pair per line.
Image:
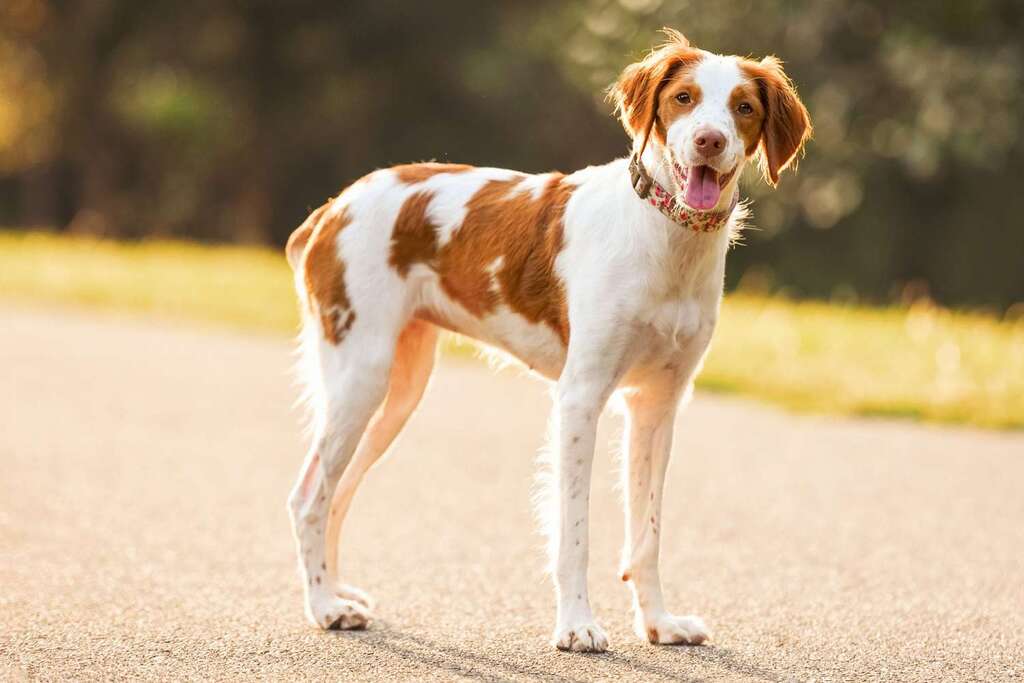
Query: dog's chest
x=676 y=320
x=674 y=323
x=680 y=302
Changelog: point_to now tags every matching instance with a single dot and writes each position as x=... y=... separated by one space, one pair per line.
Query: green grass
x=241 y=287
x=923 y=363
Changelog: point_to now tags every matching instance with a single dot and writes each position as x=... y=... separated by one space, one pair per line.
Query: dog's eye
x=683 y=98
x=745 y=109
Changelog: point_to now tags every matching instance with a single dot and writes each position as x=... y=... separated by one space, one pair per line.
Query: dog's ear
x=635 y=94
x=787 y=125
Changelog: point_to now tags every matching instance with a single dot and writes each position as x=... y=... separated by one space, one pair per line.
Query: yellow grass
x=924 y=362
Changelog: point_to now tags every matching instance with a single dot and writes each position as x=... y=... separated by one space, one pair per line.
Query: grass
x=924 y=362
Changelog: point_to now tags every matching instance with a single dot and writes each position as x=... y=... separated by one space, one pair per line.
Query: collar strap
x=647 y=188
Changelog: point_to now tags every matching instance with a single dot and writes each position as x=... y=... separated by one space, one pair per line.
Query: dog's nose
x=709 y=143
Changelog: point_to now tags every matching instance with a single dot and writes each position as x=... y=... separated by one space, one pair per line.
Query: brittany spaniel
x=605 y=280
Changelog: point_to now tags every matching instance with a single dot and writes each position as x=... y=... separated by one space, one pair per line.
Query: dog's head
x=711 y=113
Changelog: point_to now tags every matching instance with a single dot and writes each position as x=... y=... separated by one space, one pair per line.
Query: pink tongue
x=702 y=190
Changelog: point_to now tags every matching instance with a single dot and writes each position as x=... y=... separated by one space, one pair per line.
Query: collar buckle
x=639 y=177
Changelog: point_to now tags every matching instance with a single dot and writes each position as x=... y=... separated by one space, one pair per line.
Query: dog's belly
x=535 y=345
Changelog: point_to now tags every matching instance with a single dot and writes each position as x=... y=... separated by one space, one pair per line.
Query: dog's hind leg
x=414 y=361
x=353 y=382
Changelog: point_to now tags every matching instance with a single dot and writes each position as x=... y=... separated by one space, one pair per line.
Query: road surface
x=144 y=469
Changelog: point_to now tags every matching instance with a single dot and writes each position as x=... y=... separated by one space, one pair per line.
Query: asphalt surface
x=144 y=469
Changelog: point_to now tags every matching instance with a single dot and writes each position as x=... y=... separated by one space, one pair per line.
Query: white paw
x=671 y=630
x=587 y=637
x=334 y=613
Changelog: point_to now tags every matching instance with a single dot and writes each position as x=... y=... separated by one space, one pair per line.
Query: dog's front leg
x=650 y=420
x=583 y=391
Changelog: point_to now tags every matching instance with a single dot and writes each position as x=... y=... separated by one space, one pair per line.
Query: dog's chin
x=704 y=185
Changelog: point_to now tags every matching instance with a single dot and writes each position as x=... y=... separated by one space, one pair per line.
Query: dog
x=607 y=280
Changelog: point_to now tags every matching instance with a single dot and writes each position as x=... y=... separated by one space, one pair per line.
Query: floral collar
x=664 y=201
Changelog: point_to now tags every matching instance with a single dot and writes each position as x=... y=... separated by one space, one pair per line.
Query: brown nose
x=709 y=143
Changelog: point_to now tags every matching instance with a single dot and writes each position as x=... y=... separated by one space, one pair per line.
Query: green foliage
x=923 y=362
x=163 y=104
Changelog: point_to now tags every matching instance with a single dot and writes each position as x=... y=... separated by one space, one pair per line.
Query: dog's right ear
x=636 y=92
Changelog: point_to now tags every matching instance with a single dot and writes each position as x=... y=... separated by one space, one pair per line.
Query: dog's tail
x=297 y=242
x=307 y=361
x=299 y=238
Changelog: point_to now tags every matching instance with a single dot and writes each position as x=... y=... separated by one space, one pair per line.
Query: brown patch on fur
x=749 y=125
x=637 y=94
x=669 y=108
x=652 y=635
x=527 y=234
x=625 y=575
x=524 y=232
x=787 y=125
x=414 y=238
x=324 y=274
x=411 y=174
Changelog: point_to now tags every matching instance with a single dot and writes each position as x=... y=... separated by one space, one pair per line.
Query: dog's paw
x=332 y=613
x=587 y=637
x=671 y=630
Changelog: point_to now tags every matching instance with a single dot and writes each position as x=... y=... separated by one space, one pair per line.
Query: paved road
x=143 y=531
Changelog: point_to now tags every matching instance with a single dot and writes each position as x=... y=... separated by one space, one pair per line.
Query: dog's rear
x=360 y=391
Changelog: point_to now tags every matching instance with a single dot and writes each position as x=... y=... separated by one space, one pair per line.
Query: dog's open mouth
x=704 y=187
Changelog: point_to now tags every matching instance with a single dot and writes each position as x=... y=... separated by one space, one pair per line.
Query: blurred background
x=227 y=121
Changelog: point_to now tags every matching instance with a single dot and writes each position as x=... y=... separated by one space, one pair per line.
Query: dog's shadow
x=470 y=664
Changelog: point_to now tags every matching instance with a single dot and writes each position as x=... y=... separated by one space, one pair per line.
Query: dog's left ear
x=787 y=125
x=636 y=92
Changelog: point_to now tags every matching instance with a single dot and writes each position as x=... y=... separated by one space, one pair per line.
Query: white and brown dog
x=608 y=279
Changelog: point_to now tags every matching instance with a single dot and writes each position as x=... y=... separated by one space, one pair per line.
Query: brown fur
x=669 y=108
x=750 y=125
x=414 y=238
x=787 y=125
x=324 y=273
x=410 y=174
x=637 y=94
x=500 y=222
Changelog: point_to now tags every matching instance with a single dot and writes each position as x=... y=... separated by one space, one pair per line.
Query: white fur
x=643 y=299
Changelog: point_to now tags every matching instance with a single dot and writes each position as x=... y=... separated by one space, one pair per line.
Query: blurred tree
x=227 y=120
